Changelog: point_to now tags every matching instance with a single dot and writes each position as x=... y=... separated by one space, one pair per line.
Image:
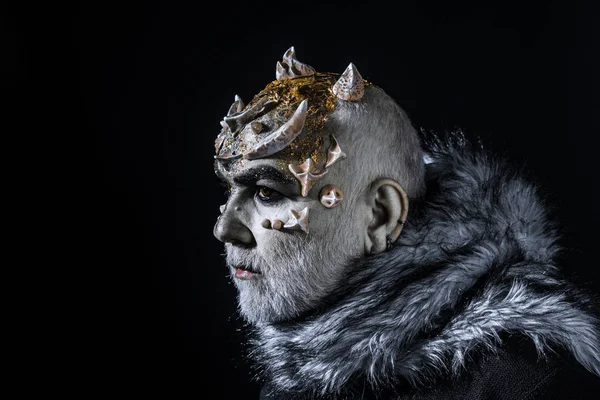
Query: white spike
x=307 y=174
x=290 y=67
x=298 y=220
x=280 y=73
x=334 y=153
x=282 y=137
x=350 y=86
x=236 y=107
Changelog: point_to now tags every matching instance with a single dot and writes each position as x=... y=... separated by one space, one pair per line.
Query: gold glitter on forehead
x=276 y=111
x=317 y=88
x=287 y=95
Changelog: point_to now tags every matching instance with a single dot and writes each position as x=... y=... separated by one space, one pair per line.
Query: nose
x=230 y=228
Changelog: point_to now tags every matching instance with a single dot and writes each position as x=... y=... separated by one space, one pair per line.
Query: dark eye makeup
x=267 y=195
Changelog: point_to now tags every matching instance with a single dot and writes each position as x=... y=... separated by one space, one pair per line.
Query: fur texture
x=476 y=259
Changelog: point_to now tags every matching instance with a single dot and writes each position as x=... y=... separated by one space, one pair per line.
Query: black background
x=141 y=87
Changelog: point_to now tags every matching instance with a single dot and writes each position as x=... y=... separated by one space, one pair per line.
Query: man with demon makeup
x=375 y=263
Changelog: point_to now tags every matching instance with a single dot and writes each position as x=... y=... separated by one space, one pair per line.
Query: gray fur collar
x=475 y=260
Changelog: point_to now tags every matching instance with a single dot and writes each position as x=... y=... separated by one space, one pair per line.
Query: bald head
x=380 y=142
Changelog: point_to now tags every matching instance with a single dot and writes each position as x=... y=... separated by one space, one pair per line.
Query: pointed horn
x=289 y=54
x=228 y=156
x=290 y=67
x=307 y=174
x=236 y=107
x=282 y=137
x=297 y=220
x=221 y=137
x=280 y=73
x=350 y=86
x=238 y=120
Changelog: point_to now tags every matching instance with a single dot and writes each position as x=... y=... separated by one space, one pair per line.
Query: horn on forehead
x=236 y=107
x=221 y=137
x=282 y=137
x=290 y=67
x=236 y=121
x=350 y=86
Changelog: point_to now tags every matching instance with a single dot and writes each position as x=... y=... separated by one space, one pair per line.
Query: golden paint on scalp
x=288 y=94
x=317 y=155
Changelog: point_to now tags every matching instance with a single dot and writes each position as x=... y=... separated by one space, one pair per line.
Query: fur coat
x=469 y=303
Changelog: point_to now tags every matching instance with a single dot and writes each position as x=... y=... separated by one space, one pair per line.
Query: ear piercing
x=388 y=242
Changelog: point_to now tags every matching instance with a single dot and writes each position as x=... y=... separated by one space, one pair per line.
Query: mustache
x=236 y=257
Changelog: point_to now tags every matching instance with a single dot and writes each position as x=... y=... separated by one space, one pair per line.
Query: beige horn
x=236 y=107
x=350 y=86
x=290 y=67
x=282 y=137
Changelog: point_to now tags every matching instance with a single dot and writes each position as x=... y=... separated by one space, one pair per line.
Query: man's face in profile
x=283 y=272
x=295 y=218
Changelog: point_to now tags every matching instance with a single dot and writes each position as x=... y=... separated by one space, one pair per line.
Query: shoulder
x=514 y=372
x=517 y=371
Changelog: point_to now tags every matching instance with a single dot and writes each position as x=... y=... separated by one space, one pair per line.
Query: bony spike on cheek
x=298 y=220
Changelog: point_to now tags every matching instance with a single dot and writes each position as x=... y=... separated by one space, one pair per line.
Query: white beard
x=293 y=276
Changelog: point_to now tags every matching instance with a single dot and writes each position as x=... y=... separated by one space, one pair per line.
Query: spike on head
x=307 y=174
x=290 y=67
x=268 y=123
x=237 y=106
x=350 y=86
x=282 y=136
x=334 y=153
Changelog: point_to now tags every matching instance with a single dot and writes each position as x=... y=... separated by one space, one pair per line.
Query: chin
x=259 y=306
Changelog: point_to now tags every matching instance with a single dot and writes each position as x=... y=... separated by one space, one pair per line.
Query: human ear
x=387 y=204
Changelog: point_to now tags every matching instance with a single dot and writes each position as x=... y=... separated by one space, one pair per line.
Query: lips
x=245 y=272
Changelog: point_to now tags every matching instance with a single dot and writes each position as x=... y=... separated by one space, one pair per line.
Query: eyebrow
x=253 y=175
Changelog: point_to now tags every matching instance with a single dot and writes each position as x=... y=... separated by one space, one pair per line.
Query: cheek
x=271 y=213
x=329 y=225
x=340 y=228
x=267 y=223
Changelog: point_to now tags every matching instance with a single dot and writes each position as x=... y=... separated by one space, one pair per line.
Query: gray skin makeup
x=280 y=274
x=286 y=250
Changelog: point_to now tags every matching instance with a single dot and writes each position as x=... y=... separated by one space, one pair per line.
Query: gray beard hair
x=292 y=279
